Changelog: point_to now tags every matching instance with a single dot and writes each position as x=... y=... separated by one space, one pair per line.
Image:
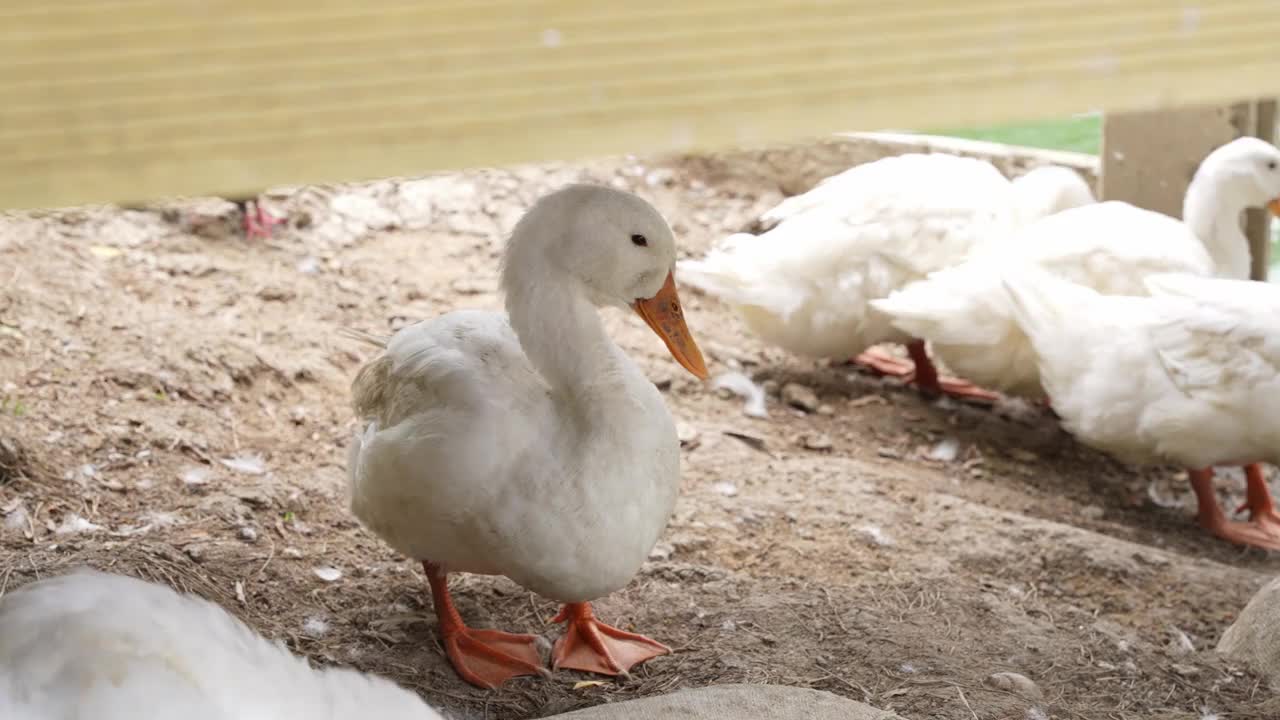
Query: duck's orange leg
x=486 y=658
x=1262 y=530
x=923 y=374
x=1258 y=498
x=257 y=223
x=592 y=646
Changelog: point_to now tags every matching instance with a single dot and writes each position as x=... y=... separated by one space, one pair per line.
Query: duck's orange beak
x=662 y=313
x=1274 y=207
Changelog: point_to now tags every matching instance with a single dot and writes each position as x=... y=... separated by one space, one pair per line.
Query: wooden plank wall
x=125 y=100
x=1149 y=158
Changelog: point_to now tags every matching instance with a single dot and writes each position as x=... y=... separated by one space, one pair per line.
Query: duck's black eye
x=642 y=241
x=1271 y=165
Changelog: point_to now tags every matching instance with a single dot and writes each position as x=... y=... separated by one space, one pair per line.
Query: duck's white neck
x=562 y=335
x=1213 y=214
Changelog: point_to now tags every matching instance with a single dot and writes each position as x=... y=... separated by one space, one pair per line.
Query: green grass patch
x=1076 y=134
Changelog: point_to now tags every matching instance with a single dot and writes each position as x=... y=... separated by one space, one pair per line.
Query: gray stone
x=1253 y=639
x=1016 y=683
x=736 y=702
x=799 y=396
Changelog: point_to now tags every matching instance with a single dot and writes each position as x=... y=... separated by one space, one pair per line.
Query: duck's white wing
x=455 y=409
x=93 y=646
x=1187 y=374
x=1219 y=337
x=467 y=359
x=1111 y=246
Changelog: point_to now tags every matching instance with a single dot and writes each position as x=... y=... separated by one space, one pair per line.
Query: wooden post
x=1149 y=158
x=1258 y=222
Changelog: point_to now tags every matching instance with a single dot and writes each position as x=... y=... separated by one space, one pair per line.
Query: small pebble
x=468 y=286
x=945 y=451
x=276 y=293
x=327 y=574
x=1017 y=684
x=247 y=464
x=688 y=435
x=726 y=489
x=800 y=397
x=817 y=442
x=875 y=536
x=1092 y=512
x=248 y=534
x=661 y=552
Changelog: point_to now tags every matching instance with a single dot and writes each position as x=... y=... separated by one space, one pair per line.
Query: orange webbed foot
x=489 y=658
x=593 y=646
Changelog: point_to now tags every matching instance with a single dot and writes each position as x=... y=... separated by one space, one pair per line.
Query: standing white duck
x=807 y=284
x=527 y=444
x=92 y=645
x=1187 y=375
x=964 y=314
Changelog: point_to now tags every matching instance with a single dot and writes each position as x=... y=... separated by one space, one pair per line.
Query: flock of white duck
x=1143 y=329
x=527 y=444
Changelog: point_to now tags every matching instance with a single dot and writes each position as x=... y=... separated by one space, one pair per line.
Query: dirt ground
x=175 y=406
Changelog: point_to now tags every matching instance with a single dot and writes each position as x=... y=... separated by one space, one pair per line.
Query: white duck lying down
x=526 y=443
x=807 y=285
x=92 y=645
x=963 y=311
x=1187 y=375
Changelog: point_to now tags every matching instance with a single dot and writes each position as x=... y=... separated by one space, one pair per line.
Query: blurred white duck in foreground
x=964 y=313
x=526 y=443
x=1187 y=375
x=807 y=284
x=92 y=645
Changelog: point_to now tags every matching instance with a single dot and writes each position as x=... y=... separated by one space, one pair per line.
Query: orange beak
x=1274 y=207
x=663 y=315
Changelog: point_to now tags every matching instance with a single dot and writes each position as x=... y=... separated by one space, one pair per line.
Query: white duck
x=92 y=645
x=807 y=284
x=964 y=314
x=527 y=444
x=1187 y=375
